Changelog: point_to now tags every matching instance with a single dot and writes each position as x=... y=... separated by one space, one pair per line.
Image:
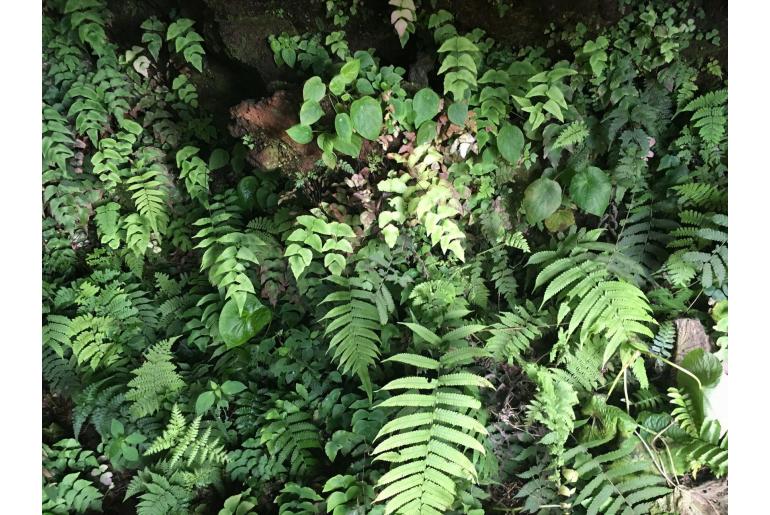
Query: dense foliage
x=469 y=304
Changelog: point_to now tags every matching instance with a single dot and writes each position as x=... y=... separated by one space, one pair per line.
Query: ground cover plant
x=502 y=289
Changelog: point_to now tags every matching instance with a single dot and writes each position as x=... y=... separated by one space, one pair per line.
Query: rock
x=690 y=335
x=710 y=498
x=243 y=26
x=266 y=122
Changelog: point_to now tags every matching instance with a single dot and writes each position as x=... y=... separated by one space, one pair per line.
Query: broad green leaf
x=219 y=158
x=510 y=142
x=310 y=112
x=366 y=115
x=349 y=71
x=458 y=112
x=541 y=199
x=204 y=403
x=590 y=189
x=237 y=328
x=425 y=105
x=232 y=387
x=390 y=232
x=343 y=126
x=300 y=133
x=560 y=221
x=314 y=89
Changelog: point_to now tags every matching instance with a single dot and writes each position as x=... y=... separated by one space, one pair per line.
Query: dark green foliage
x=471 y=311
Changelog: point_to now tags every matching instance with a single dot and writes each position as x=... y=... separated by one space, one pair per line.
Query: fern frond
x=354 y=322
x=512 y=336
x=156 y=380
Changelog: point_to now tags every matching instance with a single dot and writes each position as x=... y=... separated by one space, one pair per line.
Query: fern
x=427 y=439
x=186 y=444
x=709 y=116
x=663 y=343
x=571 y=135
x=617 y=482
x=72 y=495
x=353 y=324
x=708 y=448
x=684 y=411
x=511 y=337
x=149 y=194
x=615 y=309
x=156 y=380
x=159 y=495
x=195 y=173
x=290 y=437
x=552 y=407
x=187 y=42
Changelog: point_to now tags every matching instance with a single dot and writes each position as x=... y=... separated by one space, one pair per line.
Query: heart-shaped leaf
x=366 y=115
x=541 y=199
x=590 y=189
x=314 y=89
x=302 y=134
x=237 y=328
x=310 y=112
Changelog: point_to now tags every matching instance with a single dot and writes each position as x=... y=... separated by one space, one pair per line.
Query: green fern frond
x=708 y=448
x=684 y=412
x=572 y=134
x=512 y=336
x=354 y=322
x=618 y=482
x=156 y=380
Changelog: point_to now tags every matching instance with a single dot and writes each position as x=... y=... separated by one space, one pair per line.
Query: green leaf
x=116 y=427
x=237 y=328
x=541 y=199
x=247 y=191
x=219 y=158
x=314 y=89
x=232 y=387
x=289 y=56
x=424 y=333
x=129 y=452
x=390 y=232
x=302 y=134
x=510 y=142
x=310 y=112
x=343 y=127
x=366 y=115
x=590 y=189
x=425 y=105
x=349 y=71
x=204 y=403
x=458 y=112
